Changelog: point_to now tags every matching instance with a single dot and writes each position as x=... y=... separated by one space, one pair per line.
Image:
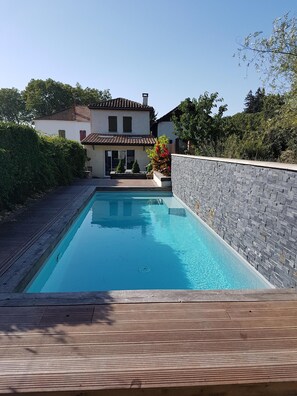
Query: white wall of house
x=140 y=121
x=71 y=128
x=97 y=157
x=166 y=128
x=121 y=208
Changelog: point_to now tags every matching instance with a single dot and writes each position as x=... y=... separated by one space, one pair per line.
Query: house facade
x=120 y=129
x=73 y=123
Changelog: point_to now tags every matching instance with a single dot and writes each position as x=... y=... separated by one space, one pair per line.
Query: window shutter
x=62 y=133
x=127 y=124
x=82 y=134
x=112 y=124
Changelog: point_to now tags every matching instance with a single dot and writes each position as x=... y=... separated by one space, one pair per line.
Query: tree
x=275 y=56
x=198 y=123
x=249 y=102
x=12 y=106
x=87 y=96
x=254 y=103
x=259 y=100
x=272 y=105
x=44 y=97
x=135 y=167
x=120 y=166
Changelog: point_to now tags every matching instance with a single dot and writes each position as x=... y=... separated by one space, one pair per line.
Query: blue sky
x=170 y=49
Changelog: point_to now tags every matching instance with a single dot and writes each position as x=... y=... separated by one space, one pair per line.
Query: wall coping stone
x=263 y=164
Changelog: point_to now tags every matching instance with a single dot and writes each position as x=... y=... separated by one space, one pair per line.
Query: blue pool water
x=126 y=241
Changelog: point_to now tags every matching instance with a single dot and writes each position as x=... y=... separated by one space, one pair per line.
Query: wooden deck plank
x=94 y=349
x=146 y=379
x=52 y=337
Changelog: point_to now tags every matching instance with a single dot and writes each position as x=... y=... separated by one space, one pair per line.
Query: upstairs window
x=112 y=124
x=62 y=133
x=127 y=124
x=82 y=134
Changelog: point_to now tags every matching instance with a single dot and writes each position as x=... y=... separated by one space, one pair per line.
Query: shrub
x=31 y=163
x=120 y=167
x=160 y=156
x=135 y=167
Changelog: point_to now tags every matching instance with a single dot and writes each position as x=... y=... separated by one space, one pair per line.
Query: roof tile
x=120 y=104
x=119 y=140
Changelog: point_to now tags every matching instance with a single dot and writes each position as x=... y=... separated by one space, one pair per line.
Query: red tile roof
x=119 y=140
x=74 y=113
x=120 y=104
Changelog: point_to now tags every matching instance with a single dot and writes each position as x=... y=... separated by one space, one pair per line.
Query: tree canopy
x=254 y=103
x=200 y=124
x=275 y=56
x=45 y=97
x=12 y=106
x=267 y=128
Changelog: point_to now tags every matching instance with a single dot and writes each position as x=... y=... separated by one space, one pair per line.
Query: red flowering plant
x=160 y=156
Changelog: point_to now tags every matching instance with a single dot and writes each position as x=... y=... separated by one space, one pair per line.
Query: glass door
x=112 y=158
x=107 y=162
x=111 y=161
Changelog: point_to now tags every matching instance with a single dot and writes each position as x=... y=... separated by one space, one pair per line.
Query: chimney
x=145 y=99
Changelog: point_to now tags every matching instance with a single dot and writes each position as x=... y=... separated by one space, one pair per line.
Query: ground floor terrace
x=135 y=342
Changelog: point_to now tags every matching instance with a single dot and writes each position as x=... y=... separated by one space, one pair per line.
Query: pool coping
x=144 y=296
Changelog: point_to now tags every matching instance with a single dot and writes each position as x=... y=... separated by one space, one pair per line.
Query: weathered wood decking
x=206 y=347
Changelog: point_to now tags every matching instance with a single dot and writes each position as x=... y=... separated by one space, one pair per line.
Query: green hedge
x=31 y=163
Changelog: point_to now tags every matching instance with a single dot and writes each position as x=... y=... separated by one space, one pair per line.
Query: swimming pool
x=141 y=240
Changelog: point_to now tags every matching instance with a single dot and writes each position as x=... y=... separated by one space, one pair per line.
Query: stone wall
x=251 y=205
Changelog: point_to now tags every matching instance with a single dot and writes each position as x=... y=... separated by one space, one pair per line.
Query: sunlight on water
x=126 y=241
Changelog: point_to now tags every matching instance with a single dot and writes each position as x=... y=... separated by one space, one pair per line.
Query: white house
x=165 y=126
x=72 y=123
x=120 y=129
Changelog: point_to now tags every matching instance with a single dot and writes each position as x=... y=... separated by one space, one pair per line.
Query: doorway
x=112 y=158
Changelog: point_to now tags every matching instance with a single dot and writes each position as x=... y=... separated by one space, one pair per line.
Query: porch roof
x=119 y=140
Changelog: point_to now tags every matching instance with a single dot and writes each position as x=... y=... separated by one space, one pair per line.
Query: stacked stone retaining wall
x=251 y=205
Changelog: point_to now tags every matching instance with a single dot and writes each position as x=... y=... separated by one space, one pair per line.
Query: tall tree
x=254 y=103
x=274 y=56
x=12 y=106
x=200 y=125
x=44 y=97
x=249 y=102
x=259 y=100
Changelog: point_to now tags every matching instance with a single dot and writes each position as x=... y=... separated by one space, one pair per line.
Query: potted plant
x=120 y=167
x=135 y=167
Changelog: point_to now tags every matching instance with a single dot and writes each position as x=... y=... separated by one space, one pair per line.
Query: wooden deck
x=243 y=347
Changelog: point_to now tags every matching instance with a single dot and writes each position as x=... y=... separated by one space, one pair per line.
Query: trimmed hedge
x=31 y=163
